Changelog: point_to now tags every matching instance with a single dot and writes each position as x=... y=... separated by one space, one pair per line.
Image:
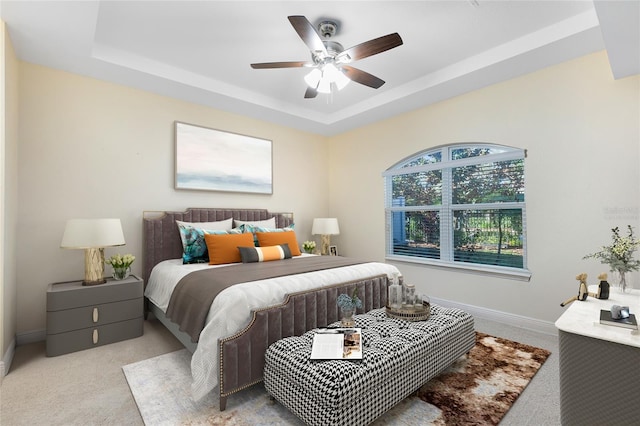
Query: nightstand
x=81 y=317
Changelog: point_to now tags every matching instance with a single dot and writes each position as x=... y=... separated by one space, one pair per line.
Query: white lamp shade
x=92 y=233
x=325 y=226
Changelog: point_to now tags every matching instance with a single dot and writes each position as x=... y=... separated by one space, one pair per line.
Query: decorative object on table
x=121 y=265
x=207 y=159
x=410 y=295
x=333 y=250
x=348 y=305
x=93 y=235
x=325 y=227
x=404 y=304
x=619 y=256
x=417 y=312
x=619 y=312
x=583 y=292
x=394 y=298
x=618 y=316
x=603 y=287
x=308 y=246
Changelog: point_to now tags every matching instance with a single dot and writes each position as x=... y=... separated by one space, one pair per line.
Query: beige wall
x=8 y=195
x=582 y=132
x=95 y=149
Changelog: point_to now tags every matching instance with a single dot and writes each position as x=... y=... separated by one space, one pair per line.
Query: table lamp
x=325 y=227
x=93 y=235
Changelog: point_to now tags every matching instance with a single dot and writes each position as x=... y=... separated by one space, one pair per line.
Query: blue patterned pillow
x=253 y=229
x=194 y=248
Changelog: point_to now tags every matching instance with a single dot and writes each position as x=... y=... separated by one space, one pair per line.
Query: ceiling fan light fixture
x=335 y=75
x=313 y=78
x=330 y=60
x=323 y=79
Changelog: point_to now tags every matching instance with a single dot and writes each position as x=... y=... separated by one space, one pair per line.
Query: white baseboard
x=7 y=358
x=31 y=337
x=527 y=323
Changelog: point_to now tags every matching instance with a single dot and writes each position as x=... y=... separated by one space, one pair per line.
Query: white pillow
x=268 y=223
x=221 y=225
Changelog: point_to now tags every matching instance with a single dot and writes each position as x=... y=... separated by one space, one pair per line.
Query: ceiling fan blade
x=291 y=64
x=371 y=47
x=362 y=77
x=310 y=93
x=307 y=33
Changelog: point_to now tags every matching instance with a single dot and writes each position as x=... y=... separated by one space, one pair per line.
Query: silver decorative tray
x=410 y=313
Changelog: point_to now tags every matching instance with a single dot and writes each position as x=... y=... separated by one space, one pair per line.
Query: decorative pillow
x=264 y=254
x=194 y=248
x=224 y=248
x=269 y=223
x=221 y=225
x=266 y=239
x=255 y=228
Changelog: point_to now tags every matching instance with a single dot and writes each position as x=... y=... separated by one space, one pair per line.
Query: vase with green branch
x=619 y=256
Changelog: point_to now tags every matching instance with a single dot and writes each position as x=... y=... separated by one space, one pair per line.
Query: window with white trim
x=459 y=206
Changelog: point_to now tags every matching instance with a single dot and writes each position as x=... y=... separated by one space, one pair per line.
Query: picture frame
x=215 y=160
x=333 y=250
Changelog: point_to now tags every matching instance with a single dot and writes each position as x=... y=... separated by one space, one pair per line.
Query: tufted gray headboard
x=161 y=238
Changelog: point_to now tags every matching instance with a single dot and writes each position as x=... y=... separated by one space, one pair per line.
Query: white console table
x=599 y=364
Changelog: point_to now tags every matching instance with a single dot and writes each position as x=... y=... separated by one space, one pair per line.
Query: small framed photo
x=333 y=250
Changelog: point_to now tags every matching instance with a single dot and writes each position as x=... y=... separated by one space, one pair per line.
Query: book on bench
x=337 y=343
x=629 y=322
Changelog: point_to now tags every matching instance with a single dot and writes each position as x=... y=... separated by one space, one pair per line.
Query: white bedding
x=231 y=309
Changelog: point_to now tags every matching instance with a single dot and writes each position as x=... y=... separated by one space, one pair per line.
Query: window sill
x=486 y=270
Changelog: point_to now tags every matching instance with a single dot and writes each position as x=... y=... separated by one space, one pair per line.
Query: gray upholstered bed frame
x=242 y=355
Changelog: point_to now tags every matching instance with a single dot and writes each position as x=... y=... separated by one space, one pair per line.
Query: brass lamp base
x=94 y=266
x=326 y=241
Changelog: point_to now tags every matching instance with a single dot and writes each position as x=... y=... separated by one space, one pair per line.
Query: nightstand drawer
x=93 y=316
x=73 y=294
x=72 y=341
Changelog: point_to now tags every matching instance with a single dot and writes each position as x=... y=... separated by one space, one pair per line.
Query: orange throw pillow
x=224 y=248
x=266 y=239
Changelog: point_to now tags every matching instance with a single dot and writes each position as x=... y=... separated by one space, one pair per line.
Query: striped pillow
x=264 y=254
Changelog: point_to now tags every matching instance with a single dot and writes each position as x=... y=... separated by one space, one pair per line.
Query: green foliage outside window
x=472 y=196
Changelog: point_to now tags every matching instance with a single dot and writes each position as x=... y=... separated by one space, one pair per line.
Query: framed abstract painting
x=214 y=160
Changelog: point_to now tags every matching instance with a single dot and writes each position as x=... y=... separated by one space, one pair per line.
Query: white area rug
x=478 y=388
x=161 y=388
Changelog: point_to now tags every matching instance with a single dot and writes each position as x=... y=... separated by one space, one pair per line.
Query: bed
x=247 y=317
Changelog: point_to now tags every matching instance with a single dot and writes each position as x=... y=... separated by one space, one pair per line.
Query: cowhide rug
x=479 y=388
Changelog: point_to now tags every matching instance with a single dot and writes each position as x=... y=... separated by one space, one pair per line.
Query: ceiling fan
x=330 y=60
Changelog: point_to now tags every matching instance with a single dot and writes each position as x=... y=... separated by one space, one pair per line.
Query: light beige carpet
x=478 y=389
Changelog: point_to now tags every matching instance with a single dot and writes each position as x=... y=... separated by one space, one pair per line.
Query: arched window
x=460 y=206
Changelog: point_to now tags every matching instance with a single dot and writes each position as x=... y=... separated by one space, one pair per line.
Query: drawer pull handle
x=95 y=336
x=95 y=314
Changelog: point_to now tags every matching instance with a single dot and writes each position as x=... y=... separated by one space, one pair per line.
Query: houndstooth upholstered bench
x=398 y=357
